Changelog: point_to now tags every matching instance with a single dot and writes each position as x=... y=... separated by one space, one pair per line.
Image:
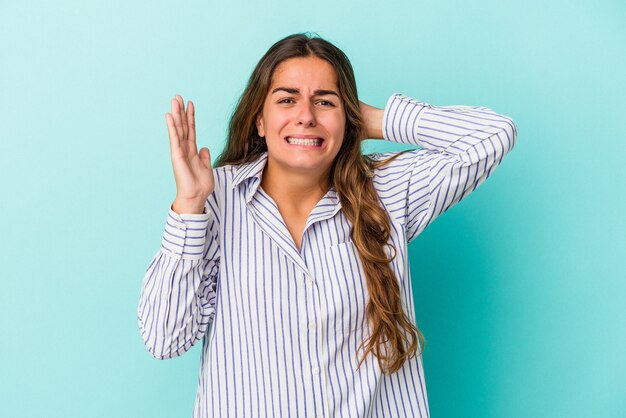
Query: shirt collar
x=249 y=170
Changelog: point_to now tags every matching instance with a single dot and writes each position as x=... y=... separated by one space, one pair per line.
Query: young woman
x=289 y=257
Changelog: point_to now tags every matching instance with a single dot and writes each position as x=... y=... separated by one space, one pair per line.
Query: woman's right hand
x=192 y=169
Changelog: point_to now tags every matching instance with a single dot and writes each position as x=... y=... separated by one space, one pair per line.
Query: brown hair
x=350 y=174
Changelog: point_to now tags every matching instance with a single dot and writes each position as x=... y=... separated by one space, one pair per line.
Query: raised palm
x=192 y=169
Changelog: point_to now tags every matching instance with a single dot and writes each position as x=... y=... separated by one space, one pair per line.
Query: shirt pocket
x=345 y=288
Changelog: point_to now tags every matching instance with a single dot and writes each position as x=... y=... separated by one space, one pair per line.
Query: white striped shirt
x=280 y=327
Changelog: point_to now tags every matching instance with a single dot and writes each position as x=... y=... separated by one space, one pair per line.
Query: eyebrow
x=293 y=90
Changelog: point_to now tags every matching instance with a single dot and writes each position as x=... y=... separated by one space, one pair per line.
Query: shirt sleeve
x=178 y=292
x=460 y=148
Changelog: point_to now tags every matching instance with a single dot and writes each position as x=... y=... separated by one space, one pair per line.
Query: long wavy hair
x=394 y=336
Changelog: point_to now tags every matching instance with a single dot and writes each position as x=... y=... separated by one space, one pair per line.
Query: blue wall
x=520 y=289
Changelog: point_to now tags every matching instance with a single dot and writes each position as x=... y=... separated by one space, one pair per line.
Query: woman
x=289 y=258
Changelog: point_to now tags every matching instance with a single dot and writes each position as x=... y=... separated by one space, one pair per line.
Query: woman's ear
x=259 y=125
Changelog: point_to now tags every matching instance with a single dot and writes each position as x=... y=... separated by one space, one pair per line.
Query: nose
x=306 y=116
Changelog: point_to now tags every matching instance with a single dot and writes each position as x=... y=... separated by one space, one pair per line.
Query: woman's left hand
x=373 y=118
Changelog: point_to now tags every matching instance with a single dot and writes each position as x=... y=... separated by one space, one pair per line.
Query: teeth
x=304 y=141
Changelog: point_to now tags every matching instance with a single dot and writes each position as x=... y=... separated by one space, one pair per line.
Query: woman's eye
x=324 y=103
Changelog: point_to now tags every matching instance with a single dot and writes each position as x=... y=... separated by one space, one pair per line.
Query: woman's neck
x=293 y=190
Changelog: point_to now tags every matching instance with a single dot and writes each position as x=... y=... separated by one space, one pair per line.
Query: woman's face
x=303 y=102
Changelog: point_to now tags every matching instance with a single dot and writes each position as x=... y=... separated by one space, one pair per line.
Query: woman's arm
x=460 y=148
x=178 y=292
x=177 y=301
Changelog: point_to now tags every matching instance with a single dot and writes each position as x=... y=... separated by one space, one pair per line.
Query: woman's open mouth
x=305 y=142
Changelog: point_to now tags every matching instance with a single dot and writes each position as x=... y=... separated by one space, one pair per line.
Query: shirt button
x=316 y=370
x=309 y=280
x=176 y=251
x=311 y=325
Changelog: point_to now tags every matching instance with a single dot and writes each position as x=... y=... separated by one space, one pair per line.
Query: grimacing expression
x=303 y=105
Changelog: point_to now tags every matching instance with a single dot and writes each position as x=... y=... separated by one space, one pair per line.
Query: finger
x=205 y=157
x=175 y=149
x=183 y=115
x=191 y=132
x=177 y=120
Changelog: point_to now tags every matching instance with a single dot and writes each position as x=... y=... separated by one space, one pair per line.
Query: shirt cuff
x=185 y=234
x=401 y=119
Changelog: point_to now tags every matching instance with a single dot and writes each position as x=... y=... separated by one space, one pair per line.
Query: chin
x=300 y=162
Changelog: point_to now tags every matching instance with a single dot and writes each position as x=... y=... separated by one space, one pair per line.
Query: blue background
x=520 y=289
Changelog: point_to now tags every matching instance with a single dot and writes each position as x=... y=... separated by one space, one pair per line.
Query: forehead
x=307 y=72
